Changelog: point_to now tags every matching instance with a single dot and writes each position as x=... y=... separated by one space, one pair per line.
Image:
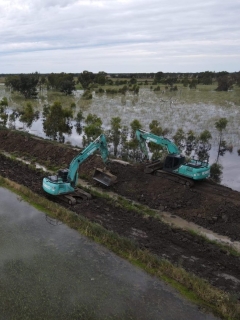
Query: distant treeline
x=147 y=75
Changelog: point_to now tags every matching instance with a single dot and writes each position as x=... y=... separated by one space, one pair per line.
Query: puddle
x=49 y=271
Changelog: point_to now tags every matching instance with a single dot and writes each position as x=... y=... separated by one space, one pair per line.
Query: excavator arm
x=99 y=144
x=144 y=136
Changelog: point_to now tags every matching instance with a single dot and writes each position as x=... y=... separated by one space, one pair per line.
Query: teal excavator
x=174 y=166
x=64 y=184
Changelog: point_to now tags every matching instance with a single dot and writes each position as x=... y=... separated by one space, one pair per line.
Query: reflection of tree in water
x=12 y=119
x=79 y=118
x=57 y=121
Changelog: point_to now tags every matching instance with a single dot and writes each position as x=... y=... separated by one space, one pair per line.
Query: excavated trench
x=212 y=206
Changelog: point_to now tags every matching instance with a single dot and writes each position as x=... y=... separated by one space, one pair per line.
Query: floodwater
x=49 y=271
x=170 y=113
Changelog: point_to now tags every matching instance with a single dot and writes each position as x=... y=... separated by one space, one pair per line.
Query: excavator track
x=173 y=177
x=77 y=196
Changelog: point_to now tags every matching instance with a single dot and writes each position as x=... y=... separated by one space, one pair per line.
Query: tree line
x=30 y=84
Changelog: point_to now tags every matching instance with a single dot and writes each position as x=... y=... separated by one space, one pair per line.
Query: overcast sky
x=119 y=35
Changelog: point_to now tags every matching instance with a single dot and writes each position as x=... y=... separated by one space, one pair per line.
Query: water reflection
x=52 y=272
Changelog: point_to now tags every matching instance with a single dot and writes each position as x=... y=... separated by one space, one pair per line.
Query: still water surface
x=49 y=271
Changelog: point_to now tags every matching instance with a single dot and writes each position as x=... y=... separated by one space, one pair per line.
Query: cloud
x=142 y=31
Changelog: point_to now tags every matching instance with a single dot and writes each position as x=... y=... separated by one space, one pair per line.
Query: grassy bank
x=195 y=289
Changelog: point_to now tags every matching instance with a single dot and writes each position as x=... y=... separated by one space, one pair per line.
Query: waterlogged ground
x=197 y=110
x=48 y=271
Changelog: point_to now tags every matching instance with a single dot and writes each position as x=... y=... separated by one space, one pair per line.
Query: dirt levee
x=212 y=206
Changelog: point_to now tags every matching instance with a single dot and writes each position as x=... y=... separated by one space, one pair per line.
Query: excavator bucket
x=104 y=177
x=153 y=166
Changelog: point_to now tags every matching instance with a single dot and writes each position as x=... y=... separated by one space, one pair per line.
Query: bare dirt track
x=212 y=206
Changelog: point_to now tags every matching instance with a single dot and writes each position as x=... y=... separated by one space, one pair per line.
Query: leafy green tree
x=4 y=102
x=221 y=125
x=159 y=76
x=52 y=80
x=26 y=84
x=157 y=151
x=93 y=127
x=57 y=121
x=216 y=171
x=190 y=142
x=101 y=78
x=28 y=115
x=133 y=144
x=115 y=133
x=203 y=145
x=67 y=86
x=133 y=80
x=135 y=125
x=179 y=139
x=86 y=78
x=224 y=83
x=3 y=114
x=13 y=82
x=64 y=82
x=155 y=128
x=206 y=77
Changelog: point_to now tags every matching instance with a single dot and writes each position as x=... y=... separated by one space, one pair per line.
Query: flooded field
x=172 y=110
x=49 y=271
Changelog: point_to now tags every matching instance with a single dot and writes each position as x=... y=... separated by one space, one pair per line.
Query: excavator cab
x=104 y=177
x=173 y=162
